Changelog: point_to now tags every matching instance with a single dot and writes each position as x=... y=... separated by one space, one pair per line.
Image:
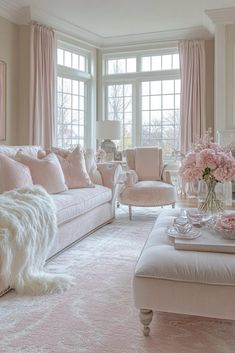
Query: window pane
x=168 y=102
x=146 y=63
x=67 y=58
x=75 y=102
x=167 y=86
x=82 y=63
x=168 y=117
x=75 y=61
x=156 y=102
x=177 y=101
x=60 y=57
x=156 y=117
x=145 y=118
x=155 y=87
x=177 y=86
x=176 y=62
x=67 y=85
x=145 y=103
x=121 y=66
x=75 y=87
x=131 y=65
x=166 y=62
x=111 y=67
x=156 y=63
x=145 y=88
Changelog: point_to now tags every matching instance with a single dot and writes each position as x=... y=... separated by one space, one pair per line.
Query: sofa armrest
x=110 y=173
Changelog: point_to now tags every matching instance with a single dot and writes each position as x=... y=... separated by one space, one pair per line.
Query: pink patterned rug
x=97 y=314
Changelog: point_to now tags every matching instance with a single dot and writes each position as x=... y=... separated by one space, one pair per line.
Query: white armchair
x=147 y=182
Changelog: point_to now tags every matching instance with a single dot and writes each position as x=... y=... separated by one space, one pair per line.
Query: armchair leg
x=130 y=213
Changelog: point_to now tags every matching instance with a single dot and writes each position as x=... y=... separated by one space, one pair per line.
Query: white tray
x=208 y=241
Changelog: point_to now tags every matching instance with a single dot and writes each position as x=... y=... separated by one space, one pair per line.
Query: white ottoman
x=186 y=282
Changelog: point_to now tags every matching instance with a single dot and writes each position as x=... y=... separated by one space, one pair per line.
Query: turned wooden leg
x=130 y=213
x=146 y=316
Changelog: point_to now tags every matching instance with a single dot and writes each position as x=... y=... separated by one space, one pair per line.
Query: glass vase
x=211 y=196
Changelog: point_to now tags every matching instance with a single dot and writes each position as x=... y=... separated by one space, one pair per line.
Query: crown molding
x=65 y=27
x=222 y=16
x=153 y=37
x=14 y=12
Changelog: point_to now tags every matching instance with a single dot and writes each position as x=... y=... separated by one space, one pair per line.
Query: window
x=160 y=114
x=145 y=98
x=73 y=77
x=119 y=99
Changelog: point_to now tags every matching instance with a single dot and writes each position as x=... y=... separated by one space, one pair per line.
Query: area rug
x=97 y=314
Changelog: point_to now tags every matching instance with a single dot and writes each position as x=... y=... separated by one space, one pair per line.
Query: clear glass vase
x=211 y=196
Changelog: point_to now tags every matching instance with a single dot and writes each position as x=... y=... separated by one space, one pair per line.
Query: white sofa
x=79 y=211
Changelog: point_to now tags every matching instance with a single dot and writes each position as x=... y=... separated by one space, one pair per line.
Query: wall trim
x=222 y=16
x=23 y=15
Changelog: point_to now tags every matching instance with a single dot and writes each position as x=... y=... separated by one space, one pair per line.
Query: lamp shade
x=108 y=130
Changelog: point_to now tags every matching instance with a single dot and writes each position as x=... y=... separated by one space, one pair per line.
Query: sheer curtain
x=42 y=85
x=193 y=80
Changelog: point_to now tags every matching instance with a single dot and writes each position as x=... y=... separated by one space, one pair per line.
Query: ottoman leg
x=130 y=213
x=146 y=316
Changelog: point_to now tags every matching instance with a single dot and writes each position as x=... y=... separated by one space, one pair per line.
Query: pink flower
x=209 y=161
x=207 y=158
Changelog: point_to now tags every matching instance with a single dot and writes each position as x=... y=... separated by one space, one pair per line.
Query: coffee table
x=179 y=281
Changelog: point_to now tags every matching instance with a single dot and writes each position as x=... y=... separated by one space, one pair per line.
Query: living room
x=76 y=78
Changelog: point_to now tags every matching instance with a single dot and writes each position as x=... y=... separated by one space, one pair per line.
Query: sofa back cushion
x=46 y=172
x=74 y=168
x=13 y=174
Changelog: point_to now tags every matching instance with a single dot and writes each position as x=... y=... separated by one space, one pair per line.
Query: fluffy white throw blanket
x=27 y=230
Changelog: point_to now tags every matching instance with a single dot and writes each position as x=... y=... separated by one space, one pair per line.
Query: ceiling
x=115 y=18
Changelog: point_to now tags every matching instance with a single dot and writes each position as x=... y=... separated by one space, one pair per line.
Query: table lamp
x=106 y=131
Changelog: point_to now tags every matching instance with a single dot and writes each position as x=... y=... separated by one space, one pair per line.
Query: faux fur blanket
x=27 y=230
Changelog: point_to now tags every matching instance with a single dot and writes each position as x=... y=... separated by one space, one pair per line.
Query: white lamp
x=106 y=131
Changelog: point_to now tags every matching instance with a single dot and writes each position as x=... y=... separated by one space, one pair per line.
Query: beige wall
x=230 y=78
x=209 y=83
x=23 y=85
x=9 y=54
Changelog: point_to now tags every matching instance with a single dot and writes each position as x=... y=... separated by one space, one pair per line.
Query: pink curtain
x=42 y=86
x=193 y=80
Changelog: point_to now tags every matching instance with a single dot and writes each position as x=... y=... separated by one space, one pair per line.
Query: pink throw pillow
x=46 y=172
x=74 y=168
x=13 y=174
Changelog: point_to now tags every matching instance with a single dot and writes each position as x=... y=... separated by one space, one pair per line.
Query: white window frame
x=89 y=79
x=135 y=79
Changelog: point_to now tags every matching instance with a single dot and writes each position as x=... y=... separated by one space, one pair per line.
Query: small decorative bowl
x=195 y=216
x=182 y=225
x=227 y=233
x=225 y=225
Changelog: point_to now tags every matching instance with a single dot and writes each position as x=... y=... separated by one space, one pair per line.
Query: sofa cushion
x=13 y=174
x=74 y=168
x=46 y=172
x=75 y=202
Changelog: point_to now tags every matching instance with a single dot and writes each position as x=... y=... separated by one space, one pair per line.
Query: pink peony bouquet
x=208 y=161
